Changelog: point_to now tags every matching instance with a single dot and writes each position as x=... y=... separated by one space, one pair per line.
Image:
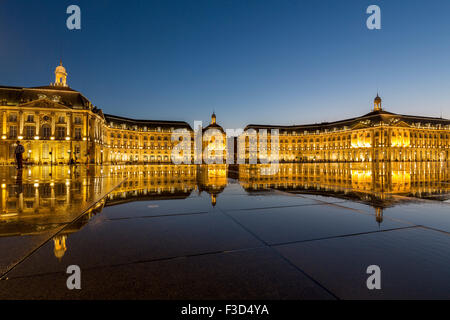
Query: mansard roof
x=369 y=119
x=148 y=123
x=63 y=95
x=213 y=126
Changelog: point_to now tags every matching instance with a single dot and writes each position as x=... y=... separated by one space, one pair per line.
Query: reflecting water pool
x=291 y=231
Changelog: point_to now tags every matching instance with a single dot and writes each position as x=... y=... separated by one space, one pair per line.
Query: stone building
x=58 y=125
x=376 y=136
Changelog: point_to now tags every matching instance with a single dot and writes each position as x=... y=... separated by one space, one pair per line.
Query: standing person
x=18 y=153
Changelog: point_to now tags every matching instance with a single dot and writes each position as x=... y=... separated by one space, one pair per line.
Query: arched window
x=46 y=131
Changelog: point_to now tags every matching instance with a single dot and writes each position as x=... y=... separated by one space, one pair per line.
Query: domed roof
x=213 y=124
x=377 y=99
x=60 y=69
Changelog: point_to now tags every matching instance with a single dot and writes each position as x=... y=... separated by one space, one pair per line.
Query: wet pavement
x=217 y=232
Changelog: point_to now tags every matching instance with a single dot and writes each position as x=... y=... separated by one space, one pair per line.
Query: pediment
x=399 y=123
x=362 y=124
x=100 y=113
x=403 y=124
x=43 y=103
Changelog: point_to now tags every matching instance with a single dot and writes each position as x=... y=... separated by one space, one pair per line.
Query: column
x=69 y=124
x=20 y=123
x=37 y=123
x=53 y=115
x=4 y=123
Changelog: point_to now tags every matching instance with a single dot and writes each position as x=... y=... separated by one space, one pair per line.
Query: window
x=30 y=118
x=13 y=117
x=61 y=151
x=77 y=120
x=30 y=132
x=61 y=119
x=46 y=131
x=13 y=132
x=60 y=132
x=45 y=151
x=77 y=133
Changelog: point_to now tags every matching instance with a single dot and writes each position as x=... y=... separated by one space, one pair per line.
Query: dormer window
x=13 y=117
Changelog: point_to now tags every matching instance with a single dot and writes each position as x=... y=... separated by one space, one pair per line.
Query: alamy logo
x=74 y=20
x=374 y=20
x=74 y=280
x=374 y=281
x=213 y=146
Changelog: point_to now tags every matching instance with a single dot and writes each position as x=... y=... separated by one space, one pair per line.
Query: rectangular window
x=61 y=152
x=30 y=132
x=13 y=132
x=45 y=152
x=60 y=132
x=77 y=120
x=77 y=133
x=46 y=132
x=61 y=119
x=30 y=118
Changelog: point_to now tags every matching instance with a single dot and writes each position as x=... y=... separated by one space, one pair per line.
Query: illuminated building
x=214 y=142
x=377 y=136
x=58 y=125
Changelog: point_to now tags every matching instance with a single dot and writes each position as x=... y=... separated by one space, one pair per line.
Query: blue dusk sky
x=252 y=61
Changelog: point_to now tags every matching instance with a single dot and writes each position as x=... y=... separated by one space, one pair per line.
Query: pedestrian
x=18 y=153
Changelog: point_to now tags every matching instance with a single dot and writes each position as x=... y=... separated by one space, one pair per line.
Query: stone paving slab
x=248 y=274
x=414 y=263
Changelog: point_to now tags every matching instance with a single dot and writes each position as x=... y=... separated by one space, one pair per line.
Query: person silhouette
x=19 y=183
x=18 y=153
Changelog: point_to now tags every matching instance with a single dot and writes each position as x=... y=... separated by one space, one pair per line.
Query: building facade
x=377 y=136
x=58 y=125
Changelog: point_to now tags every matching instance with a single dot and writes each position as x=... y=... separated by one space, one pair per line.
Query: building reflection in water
x=37 y=200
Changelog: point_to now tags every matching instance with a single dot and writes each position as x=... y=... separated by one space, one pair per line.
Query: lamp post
x=51 y=161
